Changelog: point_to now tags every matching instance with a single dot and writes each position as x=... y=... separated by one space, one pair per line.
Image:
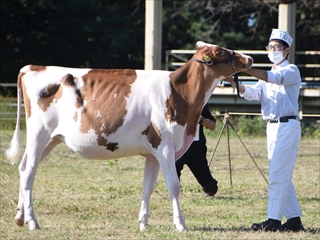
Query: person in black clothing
x=196 y=156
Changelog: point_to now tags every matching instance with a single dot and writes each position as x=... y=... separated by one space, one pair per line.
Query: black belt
x=282 y=119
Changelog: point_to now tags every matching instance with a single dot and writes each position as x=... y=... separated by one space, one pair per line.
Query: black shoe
x=292 y=224
x=211 y=189
x=269 y=225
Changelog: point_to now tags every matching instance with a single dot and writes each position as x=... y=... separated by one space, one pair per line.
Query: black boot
x=269 y=225
x=292 y=224
x=211 y=189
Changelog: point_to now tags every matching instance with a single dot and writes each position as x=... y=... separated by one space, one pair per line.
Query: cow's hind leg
x=172 y=181
x=51 y=145
x=19 y=218
x=151 y=172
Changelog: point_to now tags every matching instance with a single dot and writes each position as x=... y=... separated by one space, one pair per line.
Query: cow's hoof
x=181 y=228
x=143 y=227
x=19 y=222
x=33 y=225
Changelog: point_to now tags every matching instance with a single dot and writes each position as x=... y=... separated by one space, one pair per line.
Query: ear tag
x=206 y=58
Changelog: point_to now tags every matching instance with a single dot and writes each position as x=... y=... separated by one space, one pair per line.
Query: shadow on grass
x=244 y=229
x=213 y=229
x=231 y=198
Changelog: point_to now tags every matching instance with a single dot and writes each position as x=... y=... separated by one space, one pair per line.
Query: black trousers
x=198 y=164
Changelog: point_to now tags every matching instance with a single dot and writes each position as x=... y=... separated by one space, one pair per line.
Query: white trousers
x=283 y=142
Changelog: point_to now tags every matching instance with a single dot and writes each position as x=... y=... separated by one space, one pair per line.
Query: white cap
x=281 y=35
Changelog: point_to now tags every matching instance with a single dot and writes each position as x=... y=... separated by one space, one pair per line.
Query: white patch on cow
x=79 y=82
x=215 y=83
x=102 y=127
x=115 y=95
x=104 y=135
x=25 y=69
x=98 y=114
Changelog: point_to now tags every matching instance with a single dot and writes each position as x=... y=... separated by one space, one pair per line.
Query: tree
x=93 y=33
x=244 y=24
x=110 y=34
x=238 y=24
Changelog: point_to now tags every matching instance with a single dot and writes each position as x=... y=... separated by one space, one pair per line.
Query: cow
x=114 y=113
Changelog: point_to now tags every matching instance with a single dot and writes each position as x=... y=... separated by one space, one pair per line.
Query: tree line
x=110 y=34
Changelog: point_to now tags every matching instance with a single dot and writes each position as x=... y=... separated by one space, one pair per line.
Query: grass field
x=76 y=198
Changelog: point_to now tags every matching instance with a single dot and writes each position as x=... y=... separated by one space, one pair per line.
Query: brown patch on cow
x=153 y=134
x=188 y=88
x=111 y=146
x=36 y=68
x=68 y=80
x=48 y=95
x=53 y=92
x=50 y=91
x=26 y=99
x=79 y=101
x=104 y=92
x=75 y=117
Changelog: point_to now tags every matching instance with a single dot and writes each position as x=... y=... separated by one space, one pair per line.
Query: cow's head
x=212 y=55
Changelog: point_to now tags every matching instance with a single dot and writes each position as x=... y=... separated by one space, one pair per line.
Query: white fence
x=224 y=97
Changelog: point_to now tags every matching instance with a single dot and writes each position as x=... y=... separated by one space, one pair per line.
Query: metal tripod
x=227 y=123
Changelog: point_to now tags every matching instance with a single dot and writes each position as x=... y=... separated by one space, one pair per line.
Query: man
x=278 y=91
x=196 y=156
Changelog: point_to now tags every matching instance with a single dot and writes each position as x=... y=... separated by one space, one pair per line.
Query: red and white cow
x=113 y=113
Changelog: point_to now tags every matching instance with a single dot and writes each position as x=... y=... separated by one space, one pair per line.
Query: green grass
x=8 y=105
x=76 y=198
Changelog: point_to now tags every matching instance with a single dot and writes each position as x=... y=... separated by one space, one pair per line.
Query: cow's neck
x=190 y=85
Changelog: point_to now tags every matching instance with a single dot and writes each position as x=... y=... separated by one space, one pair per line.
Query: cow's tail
x=14 y=152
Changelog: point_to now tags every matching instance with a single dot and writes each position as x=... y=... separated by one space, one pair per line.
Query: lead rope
x=235 y=79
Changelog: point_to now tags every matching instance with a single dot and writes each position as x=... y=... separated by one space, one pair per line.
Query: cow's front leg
x=172 y=181
x=151 y=171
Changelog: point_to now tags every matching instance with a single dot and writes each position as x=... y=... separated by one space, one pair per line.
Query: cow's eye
x=219 y=53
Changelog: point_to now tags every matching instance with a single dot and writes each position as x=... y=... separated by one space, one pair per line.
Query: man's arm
x=208 y=123
x=258 y=73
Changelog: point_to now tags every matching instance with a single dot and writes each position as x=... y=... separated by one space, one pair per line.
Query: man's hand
x=230 y=80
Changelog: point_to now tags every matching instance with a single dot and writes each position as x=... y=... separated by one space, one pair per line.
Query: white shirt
x=279 y=96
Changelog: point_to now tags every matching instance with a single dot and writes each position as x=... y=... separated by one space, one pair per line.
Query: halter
x=229 y=61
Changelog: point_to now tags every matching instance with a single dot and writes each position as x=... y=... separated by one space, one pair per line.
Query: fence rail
x=224 y=97
x=180 y=55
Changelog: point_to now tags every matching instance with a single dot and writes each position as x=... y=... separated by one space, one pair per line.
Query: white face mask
x=275 y=56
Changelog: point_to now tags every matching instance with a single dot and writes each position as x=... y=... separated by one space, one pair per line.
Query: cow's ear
x=206 y=54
